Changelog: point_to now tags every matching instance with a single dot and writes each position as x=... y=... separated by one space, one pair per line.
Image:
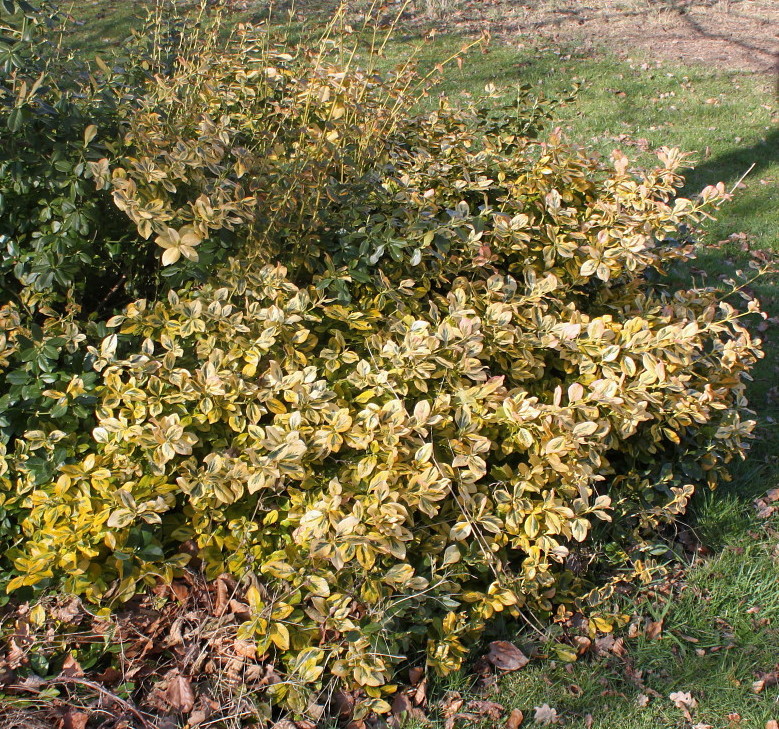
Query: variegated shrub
x=401 y=406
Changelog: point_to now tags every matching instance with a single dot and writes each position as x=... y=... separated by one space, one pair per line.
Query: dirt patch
x=740 y=35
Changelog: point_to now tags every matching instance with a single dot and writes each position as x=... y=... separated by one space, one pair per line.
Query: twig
x=741 y=179
x=95 y=687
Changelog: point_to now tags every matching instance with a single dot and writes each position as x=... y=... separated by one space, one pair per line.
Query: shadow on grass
x=733 y=164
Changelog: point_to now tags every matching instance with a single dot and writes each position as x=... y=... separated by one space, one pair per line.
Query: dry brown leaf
x=685 y=701
x=583 y=644
x=588 y=721
x=420 y=693
x=68 y=612
x=415 y=675
x=74 y=719
x=450 y=705
x=15 y=657
x=619 y=649
x=245 y=648
x=175 y=636
x=109 y=676
x=180 y=591
x=642 y=700
x=654 y=629
x=485 y=709
x=71 y=667
x=315 y=711
x=343 y=702
x=516 y=717
x=765 y=680
x=546 y=715
x=506 y=656
x=403 y=710
x=240 y=609
x=682 y=699
x=197 y=717
x=222 y=598
x=401 y=704
x=604 y=644
x=179 y=694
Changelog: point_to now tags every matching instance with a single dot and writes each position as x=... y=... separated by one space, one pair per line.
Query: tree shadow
x=733 y=164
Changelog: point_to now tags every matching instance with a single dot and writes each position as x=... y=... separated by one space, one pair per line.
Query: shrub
x=442 y=358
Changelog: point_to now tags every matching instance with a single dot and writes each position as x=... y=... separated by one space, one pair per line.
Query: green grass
x=730 y=121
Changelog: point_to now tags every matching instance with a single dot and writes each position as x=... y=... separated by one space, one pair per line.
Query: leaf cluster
x=406 y=367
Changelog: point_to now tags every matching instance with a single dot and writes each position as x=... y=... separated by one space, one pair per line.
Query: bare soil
x=740 y=35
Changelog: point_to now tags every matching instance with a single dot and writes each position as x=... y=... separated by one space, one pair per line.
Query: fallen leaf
x=245 y=649
x=654 y=629
x=545 y=715
x=179 y=590
x=765 y=680
x=315 y=711
x=240 y=609
x=343 y=703
x=701 y=725
x=588 y=721
x=420 y=694
x=583 y=644
x=618 y=649
x=75 y=720
x=682 y=699
x=516 y=717
x=68 y=612
x=403 y=710
x=179 y=694
x=485 y=709
x=197 y=717
x=772 y=724
x=71 y=667
x=401 y=704
x=415 y=675
x=222 y=599
x=284 y=724
x=685 y=701
x=642 y=700
x=506 y=656
x=450 y=705
x=604 y=644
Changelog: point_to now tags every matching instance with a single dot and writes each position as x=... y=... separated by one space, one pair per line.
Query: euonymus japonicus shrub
x=440 y=360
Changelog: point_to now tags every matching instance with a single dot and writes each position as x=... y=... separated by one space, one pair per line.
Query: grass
x=720 y=622
x=727 y=120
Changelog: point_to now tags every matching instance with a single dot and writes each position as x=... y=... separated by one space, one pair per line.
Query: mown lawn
x=721 y=616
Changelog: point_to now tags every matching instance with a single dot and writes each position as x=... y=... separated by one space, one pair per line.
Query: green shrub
x=442 y=358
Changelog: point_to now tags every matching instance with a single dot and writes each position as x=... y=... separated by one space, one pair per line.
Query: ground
x=739 y=36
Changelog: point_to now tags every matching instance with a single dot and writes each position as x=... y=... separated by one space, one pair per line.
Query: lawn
x=710 y=627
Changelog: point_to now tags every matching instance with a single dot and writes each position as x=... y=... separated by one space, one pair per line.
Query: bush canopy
x=394 y=372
